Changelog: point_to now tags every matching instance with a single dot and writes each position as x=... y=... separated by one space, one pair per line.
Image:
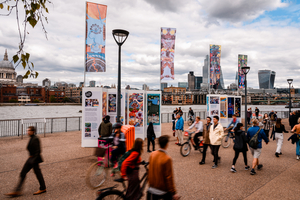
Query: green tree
x=34 y=13
x=52 y=99
x=36 y=101
x=66 y=99
x=13 y=101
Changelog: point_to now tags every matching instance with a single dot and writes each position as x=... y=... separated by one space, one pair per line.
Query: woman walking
x=279 y=129
x=150 y=137
x=267 y=124
x=296 y=129
x=240 y=145
x=130 y=169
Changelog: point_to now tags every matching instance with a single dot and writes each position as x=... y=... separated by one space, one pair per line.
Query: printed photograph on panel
x=153 y=109
x=223 y=107
x=214 y=100
x=238 y=107
x=230 y=106
x=91 y=102
x=112 y=103
x=136 y=117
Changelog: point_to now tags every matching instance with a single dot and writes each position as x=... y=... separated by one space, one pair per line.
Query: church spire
x=5 y=55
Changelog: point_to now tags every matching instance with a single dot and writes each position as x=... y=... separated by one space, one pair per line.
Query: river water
x=19 y=112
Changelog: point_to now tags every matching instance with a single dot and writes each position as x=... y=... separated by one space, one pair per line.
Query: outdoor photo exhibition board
x=92 y=110
x=138 y=108
x=153 y=111
x=223 y=106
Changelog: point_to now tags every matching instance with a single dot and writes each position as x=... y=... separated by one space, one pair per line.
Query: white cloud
x=268 y=44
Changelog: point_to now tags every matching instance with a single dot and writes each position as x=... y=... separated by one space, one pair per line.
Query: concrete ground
x=66 y=163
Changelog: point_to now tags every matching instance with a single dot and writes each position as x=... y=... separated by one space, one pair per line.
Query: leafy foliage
x=52 y=99
x=34 y=14
x=66 y=99
x=36 y=101
x=13 y=101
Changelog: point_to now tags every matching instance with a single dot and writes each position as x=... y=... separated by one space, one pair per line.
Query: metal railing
x=167 y=117
x=13 y=127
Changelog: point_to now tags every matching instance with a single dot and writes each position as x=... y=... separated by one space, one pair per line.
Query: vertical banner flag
x=215 y=67
x=167 y=53
x=242 y=62
x=95 y=37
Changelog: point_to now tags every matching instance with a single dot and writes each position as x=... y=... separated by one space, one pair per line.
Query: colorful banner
x=95 y=37
x=215 y=67
x=242 y=62
x=112 y=103
x=230 y=106
x=136 y=117
x=153 y=109
x=104 y=104
x=237 y=107
x=223 y=108
x=167 y=53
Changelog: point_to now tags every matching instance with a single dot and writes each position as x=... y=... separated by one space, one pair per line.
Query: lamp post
x=120 y=37
x=290 y=81
x=245 y=71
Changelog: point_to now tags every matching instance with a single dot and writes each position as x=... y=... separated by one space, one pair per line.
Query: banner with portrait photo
x=215 y=66
x=242 y=62
x=167 y=54
x=95 y=37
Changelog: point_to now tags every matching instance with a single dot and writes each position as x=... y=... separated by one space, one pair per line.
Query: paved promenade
x=66 y=163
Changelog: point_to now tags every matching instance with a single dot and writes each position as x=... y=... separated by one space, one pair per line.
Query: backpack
x=273 y=117
x=253 y=143
x=121 y=160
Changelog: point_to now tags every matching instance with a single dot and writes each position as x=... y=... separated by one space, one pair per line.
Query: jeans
x=298 y=148
x=153 y=144
x=237 y=155
x=215 y=151
x=205 y=146
x=26 y=168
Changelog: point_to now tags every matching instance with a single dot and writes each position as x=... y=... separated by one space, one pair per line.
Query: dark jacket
x=281 y=129
x=105 y=129
x=150 y=132
x=241 y=141
x=294 y=138
x=121 y=145
x=34 y=149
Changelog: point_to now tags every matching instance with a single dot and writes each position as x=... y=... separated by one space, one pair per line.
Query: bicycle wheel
x=190 y=122
x=111 y=194
x=95 y=175
x=185 y=149
x=226 y=141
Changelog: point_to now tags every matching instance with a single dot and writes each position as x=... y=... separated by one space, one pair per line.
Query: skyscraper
x=198 y=81
x=191 y=80
x=163 y=85
x=183 y=84
x=205 y=73
x=266 y=79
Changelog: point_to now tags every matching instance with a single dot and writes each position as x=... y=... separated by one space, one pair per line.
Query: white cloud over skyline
x=236 y=25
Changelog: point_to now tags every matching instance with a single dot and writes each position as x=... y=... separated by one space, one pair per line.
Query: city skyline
x=268 y=32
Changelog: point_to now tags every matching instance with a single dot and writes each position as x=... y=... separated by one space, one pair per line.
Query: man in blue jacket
x=256 y=152
x=179 y=128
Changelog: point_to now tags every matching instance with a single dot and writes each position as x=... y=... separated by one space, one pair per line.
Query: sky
x=265 y=30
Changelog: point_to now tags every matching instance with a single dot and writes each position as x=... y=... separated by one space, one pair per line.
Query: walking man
x=216 y=134
x=179 y=128
x=33 y=161
x=256 y=112
x=160 y=173
x=256 y=152
x=206 y=140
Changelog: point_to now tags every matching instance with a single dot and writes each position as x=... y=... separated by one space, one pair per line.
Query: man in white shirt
x=199 y=131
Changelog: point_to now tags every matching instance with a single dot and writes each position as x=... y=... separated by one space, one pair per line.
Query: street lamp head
x=289 y=81
x=120 y=36
x=246 y=70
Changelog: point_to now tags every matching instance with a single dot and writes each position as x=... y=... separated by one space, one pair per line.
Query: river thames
x=19 y=112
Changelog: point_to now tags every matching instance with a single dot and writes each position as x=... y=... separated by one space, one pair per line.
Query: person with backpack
x=150 y=137
x=279 y=129
x=255 y=135
x=130 y=169
x=240 y=145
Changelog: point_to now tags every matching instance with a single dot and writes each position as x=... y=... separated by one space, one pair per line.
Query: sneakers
x=233 y=170
x=298 y=157
x=214 y=166
x=201 y=163
x=40 y=192
x=247 y=168
x=259 y=166
x=277 y=154
x=252 y=172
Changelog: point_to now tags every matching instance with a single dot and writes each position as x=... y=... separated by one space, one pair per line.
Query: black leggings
x=215 y=151
x=237 y=153
x=196 y=139
x=153 y=144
